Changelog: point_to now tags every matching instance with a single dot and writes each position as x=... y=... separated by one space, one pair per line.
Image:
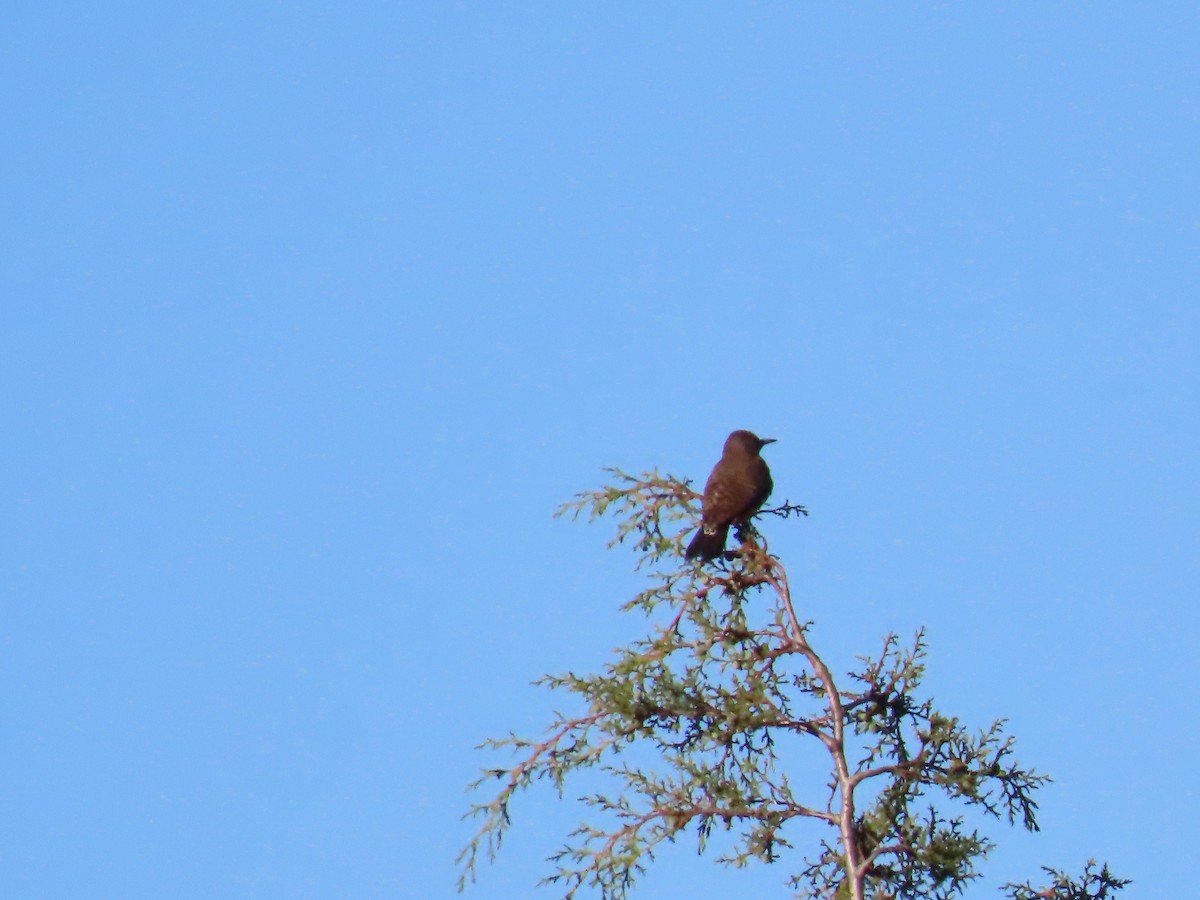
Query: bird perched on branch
x=739 y=485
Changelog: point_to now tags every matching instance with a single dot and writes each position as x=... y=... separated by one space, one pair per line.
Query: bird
x=739 y=485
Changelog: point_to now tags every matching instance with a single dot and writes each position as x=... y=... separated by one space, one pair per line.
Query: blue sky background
x=315 y=312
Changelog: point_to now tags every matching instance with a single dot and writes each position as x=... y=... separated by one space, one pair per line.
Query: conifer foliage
x=696 y=728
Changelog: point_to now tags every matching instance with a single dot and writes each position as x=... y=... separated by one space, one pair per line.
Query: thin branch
x=855 y=868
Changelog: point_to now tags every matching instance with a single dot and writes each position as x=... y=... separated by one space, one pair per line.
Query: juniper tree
x=718 y=692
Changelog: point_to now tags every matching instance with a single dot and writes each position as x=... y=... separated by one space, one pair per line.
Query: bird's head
x=746 y=442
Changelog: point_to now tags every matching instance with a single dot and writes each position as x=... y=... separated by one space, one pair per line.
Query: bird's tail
x=707 y=544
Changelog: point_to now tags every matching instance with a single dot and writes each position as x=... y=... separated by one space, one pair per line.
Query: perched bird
x=739 y=485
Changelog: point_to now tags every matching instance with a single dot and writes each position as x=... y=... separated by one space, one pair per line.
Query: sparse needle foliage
x=718 y=695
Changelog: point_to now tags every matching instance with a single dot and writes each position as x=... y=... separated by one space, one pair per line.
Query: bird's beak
x=767 y=440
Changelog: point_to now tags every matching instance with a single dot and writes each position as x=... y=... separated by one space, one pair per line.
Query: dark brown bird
x=739 y=485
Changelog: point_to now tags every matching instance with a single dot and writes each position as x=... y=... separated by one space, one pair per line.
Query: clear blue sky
x=313 y=313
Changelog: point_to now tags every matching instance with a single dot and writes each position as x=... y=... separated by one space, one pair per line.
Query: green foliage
x=716 y=692
x=1093 y=885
